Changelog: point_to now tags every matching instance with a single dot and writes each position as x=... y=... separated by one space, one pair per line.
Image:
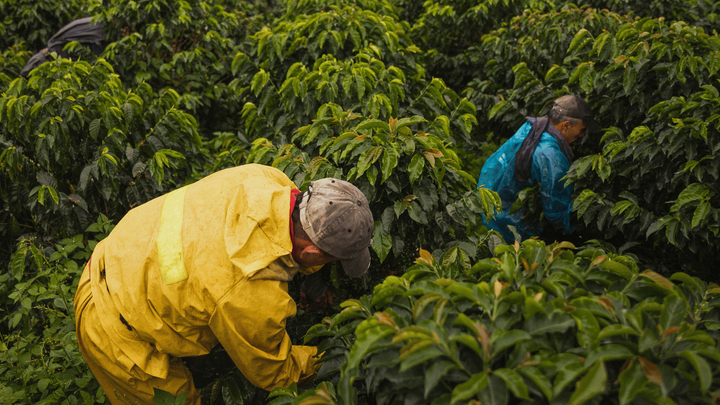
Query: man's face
x=571 y=132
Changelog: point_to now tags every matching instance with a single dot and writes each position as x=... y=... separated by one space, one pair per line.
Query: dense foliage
x=405 y=99
x=535 y=323
x=76 y=144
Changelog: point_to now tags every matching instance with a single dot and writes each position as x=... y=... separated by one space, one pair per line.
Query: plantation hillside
x=406 y=100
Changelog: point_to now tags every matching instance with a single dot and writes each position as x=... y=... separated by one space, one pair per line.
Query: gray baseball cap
x=337 y=218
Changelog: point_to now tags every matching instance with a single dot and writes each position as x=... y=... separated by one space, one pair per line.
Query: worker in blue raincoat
x=538 y=154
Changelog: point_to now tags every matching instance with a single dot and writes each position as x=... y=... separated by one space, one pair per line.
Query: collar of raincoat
x=257 y=230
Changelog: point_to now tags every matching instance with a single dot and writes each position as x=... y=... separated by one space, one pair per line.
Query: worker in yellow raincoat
x=209 y=263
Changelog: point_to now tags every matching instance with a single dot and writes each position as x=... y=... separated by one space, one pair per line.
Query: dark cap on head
x=337 y=218
x=575 y=107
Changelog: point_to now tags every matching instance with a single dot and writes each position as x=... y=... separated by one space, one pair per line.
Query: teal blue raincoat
x=549 y=165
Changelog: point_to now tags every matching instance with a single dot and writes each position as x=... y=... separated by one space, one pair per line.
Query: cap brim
x=358 y=265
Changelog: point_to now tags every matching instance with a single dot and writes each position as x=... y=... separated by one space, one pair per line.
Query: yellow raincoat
x=205 y=264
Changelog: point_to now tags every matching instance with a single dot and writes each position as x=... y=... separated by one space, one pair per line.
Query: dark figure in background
x=538 y=154
x=82 y=31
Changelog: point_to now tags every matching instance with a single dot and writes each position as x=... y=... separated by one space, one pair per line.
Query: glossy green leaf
x=469 y=388
x=591 y=385
x=514 y=382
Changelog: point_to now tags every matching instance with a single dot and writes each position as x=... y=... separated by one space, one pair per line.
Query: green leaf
x=687 y=279
x=416 y=167
x=163 y=397
x=539 y=379
x=555 y=322
x=617 y=268
x=673 y=312
x=435 y=372
x=389 y=162
x=608 y=352
x=373 y=124
x=702 y=368
x=367 y=158
x=259 y=81
x=381 y=241
x=502 y=339
x=421 y=355
x=632 y=381
x=17 y=264
x=616 y=330
x=514 y=382
x=693 y=192
x=591 y=385
x=95 y=128
x=701 y=212
x=469 y=388
x=231 y=393
x=577 y=40
x=404 y=122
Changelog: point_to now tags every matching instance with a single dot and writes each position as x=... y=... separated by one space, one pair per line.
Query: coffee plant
x=179 y=45
x=40 y=361
x=35 y=21
x=535 y=42
x=664 y=178
x=703 y=13
x=406 y=175
x=405 y=99
x=536 y=323
x=12 y=61
x=447 y=29
x=75 y=145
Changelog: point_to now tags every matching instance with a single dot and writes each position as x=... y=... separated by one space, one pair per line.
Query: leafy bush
x=696 y=12
x=624 y=72
x=185 y=46
x=535 y=42
x=446 y=29
x=405 y=175
x=12 y=61
x=535 y=323
x=40 y=361
x=35 y=21
x=75 y=144
x=662 y=179
x=355 y=58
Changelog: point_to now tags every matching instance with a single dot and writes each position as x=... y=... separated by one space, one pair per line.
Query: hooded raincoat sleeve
x=250 y=324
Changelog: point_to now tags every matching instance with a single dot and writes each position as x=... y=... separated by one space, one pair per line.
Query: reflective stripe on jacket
x=549 y=165
x=204 y=264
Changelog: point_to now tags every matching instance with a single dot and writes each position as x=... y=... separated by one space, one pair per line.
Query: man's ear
x=310 y=249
